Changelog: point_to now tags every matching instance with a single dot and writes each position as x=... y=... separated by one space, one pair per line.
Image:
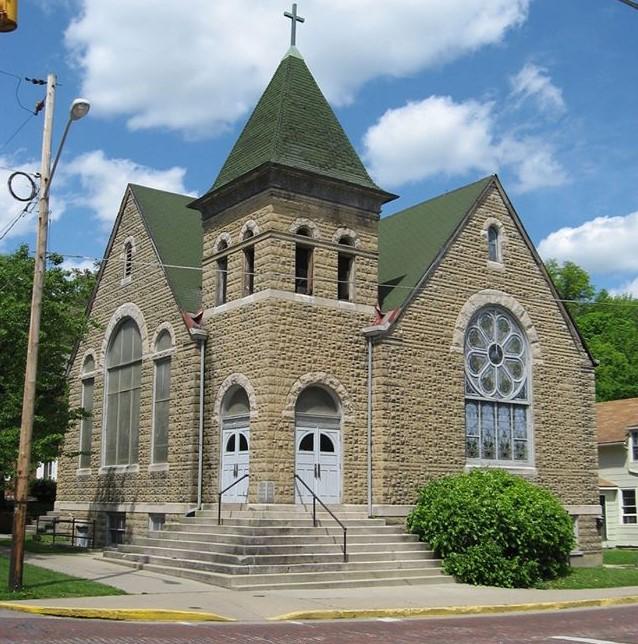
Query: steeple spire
x=294 y=18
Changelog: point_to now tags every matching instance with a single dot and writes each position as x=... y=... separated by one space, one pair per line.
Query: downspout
x=200 y=336
x=369 y=425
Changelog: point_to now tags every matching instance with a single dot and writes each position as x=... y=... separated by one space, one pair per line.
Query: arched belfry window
x=161 y=397
x=249 y=265
x=128 y=259
x=493 y=244
x=303 y=264
x=222 y=275
x=345 y=270
x=123 y=385
x=497 y=389
x=86 y=424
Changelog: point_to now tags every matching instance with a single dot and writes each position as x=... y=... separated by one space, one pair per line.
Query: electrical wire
x=17 y=131
x=25 y=211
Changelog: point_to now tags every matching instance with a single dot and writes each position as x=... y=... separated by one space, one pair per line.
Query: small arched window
x=86 y=424
x=128 y=259
x=303 y=264
x=497 y=395
x=345 y=270
x=249 y=265
x=493 y=244
x=123 y=386
x=161 y=397
x=222 y=274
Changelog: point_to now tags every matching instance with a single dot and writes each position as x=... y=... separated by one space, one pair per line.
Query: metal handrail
x=219 y=497
x=315 y=498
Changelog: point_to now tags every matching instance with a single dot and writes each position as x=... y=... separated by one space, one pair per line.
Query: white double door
x=235 y=463
x=318 y=464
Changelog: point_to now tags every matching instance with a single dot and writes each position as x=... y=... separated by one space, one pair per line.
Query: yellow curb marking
x=155 y=615
x=454 y=610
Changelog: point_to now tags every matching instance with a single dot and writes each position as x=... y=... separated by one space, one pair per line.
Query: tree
x=66 y=293
x=609 y=325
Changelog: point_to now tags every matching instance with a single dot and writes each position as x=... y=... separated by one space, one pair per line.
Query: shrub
x=43 y=490
x=494 y=528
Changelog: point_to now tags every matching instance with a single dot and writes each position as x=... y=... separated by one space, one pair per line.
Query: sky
x=434 y=94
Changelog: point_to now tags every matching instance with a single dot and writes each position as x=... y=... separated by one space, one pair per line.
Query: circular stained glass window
x=495 y=355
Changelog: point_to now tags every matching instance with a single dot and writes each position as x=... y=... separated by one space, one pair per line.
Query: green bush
x=43 y=490
x=494 y=528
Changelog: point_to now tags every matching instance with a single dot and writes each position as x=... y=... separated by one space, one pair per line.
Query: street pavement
x=151 y=591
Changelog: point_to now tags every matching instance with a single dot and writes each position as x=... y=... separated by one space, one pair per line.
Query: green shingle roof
x=177 y=234
x=410 y=240
x=293 y=125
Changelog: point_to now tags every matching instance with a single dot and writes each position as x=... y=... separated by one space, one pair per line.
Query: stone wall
x=147 y=297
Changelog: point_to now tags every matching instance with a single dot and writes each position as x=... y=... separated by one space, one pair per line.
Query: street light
x=79 y=108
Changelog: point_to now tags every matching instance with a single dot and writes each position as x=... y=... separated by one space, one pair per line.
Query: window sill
x=158 y=467
x=526 y=471
x=495 y=266
x=83 y=472
x=633 y=468
x=126 y=280
x=134 y=468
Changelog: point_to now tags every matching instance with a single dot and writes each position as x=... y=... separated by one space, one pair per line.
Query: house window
x=123 y=384
x=496 y=390
x=128 y=259
x=493 y=244
x=345 y=272
x=161 y=398
x=222 y=275
x=303 y=264
x=156 y=521
x=628 y=509
x=86 y=424
x=249 y=266
x=115 y=527
x=633 y=440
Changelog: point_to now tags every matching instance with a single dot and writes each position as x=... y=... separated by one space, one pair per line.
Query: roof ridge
x=280 y=115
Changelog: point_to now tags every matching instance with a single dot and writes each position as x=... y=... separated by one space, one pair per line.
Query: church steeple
x=294 y=126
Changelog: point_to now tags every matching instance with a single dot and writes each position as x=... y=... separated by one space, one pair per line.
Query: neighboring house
x=364 y=355
x=47 y=471
x=618 y=467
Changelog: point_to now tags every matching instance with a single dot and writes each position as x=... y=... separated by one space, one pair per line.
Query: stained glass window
x=496 y=389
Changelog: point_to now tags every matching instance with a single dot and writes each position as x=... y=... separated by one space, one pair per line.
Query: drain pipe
x=200 y=336
x=369 y=425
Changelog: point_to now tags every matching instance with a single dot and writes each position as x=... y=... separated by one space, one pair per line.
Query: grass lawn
x=620 y=557
x=599 y=577
x=44 y=545
x=40 y=583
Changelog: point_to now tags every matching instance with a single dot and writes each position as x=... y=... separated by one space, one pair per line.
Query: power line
x=26 y=210
x=17 y=131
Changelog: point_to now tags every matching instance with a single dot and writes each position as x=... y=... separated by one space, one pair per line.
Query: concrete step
x=300 y=522
x=262 y=559
x=293 y=547
x=299 y=572
x=282 y=530
x=279 y=515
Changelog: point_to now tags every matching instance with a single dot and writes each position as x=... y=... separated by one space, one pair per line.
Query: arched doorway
x=318 y=445
x=235 y=443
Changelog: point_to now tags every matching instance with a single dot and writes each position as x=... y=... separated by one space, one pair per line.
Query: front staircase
x=262 y=547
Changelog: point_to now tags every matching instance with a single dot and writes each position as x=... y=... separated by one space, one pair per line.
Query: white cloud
x=438 y=136
x=80 y=264
x=604 y=245
x=534 y=82
x=628 y=288
x=104 y=180
x=197 y=67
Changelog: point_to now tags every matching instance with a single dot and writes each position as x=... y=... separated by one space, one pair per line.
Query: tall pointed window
x=249 y=265
x=128 y=259
x=497 y=390
x=345 y=271
x=303 y=264
x=493 y=244
x=123 y=385
x=222 y=275
x=161 y=397
x=86 y=424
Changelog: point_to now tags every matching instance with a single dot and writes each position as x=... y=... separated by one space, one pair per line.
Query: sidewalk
x=152 y=592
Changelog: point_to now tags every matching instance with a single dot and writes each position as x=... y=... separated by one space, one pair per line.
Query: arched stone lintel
x=89 y=353
x=303 y=222
x=491 y=297
x=164 y=326
x=242 y=381
x=346 y=232
x=319 y=378
x=222 y=238
x=128 y=310
x=249 y=225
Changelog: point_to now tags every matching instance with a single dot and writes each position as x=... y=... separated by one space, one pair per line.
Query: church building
x=277 y=337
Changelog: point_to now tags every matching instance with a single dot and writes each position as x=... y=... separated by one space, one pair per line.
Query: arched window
x=86 y=424
x=128 y=259
x=303 y=264
x=123 y=383
x=497 y=389
x=161 y=397
x=345 y=271
x=249 y=265
x=317 y=401
x=493 y=244
x=222 y=274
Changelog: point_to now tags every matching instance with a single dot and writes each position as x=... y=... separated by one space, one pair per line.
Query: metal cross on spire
x=294 y=19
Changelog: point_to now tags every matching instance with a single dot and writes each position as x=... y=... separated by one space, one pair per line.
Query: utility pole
x=28 y=399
